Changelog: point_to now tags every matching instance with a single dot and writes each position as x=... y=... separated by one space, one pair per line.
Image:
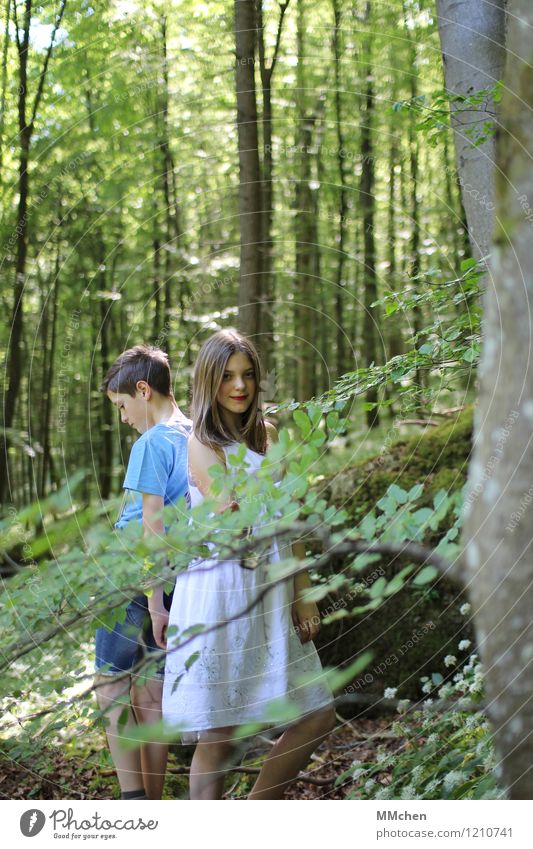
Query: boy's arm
x=154 y=526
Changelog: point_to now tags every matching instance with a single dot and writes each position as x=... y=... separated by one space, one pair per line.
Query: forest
x=356 y=196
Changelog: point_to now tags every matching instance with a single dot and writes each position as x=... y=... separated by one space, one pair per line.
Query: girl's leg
x=291 y=753
x=146 y=702
x=212 y=758
x=127 y=764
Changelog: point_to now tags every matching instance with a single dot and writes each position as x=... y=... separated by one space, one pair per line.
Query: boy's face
x=133 y=410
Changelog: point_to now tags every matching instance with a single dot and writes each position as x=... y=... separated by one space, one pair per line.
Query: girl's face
x=238 y=387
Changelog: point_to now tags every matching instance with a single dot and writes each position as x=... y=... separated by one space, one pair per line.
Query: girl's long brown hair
x=208 y=424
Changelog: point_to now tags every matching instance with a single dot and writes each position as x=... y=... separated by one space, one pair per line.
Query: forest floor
x=56 y=774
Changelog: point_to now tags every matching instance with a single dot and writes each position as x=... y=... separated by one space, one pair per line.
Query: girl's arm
x=305 y=614
x=201 y=458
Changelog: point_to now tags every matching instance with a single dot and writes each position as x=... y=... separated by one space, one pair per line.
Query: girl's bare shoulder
x=201 y=454
x=272 y=434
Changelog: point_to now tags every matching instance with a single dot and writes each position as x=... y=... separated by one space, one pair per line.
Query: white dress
x=242 y=668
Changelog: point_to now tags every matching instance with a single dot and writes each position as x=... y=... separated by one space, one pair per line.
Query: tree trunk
x=368 y=205
x=340 y=282
x=268 y=293
x=249 y=169
x=473 y=56
x=497 y=535
x=14 y=359
x=4 y=84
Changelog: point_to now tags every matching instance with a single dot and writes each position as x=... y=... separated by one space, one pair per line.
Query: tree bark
x=367 y=202
x=268 y=293
x=472 y=36
x=340 y=282
x=14 y=359
x=249 y=169
x=497 y=534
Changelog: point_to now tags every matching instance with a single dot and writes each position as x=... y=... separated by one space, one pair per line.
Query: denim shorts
x=119 y=650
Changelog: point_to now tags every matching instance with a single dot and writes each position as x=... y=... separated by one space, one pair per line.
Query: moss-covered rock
x=413 y=630
x=437 y=457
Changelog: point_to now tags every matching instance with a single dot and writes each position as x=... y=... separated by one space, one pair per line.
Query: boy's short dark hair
x=143 y=362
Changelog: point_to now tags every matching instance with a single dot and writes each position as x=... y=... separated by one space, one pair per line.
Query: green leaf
x=302 y=421
x=425 y=576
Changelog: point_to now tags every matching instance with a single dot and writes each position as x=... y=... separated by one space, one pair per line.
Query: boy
x=139 y=385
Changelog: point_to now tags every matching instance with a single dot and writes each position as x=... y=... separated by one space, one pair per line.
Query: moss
x=427 y=621
x=437 y=458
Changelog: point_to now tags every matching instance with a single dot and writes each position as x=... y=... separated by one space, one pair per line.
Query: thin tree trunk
x=340 y=283
x=368 y=205
x=249 y=169
x=497 y=533
x=50 y=357
x=472 y=37
x=267 y=294
x=4 y=85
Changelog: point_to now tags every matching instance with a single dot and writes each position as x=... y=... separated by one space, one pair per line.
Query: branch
x=46 y=61
x=266 y=73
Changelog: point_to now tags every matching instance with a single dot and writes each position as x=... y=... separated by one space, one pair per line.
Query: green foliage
x=433 y=111
x=445 y=748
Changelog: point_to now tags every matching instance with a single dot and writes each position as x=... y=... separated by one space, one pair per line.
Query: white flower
x=450 y=660
x=390 y=692
x=402 y=705
x=452 y=779
x=432 y=785
x=370 y=784
x=427 y=703
x=463 y=645
x=427 y=688
x=464 y=609
x=357 y=772
x=445 y=691
x=384 y=793
x=408 y=792
x=433 y=738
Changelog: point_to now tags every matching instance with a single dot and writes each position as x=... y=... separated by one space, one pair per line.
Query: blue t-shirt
x=157 y=466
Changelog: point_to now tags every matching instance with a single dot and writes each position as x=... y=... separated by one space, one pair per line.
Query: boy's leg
x=146 y=702
x=127 y=764
x=212 y=758
x=291 y=753
x=117 y=651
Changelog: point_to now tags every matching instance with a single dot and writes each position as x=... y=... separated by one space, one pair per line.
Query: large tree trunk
x=249 y=169
x=498 y=550
x=472 y=35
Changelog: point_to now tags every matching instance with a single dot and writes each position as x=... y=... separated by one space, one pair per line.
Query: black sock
x=134 y=794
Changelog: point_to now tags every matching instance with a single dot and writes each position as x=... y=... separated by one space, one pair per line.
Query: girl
x=242 y=666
